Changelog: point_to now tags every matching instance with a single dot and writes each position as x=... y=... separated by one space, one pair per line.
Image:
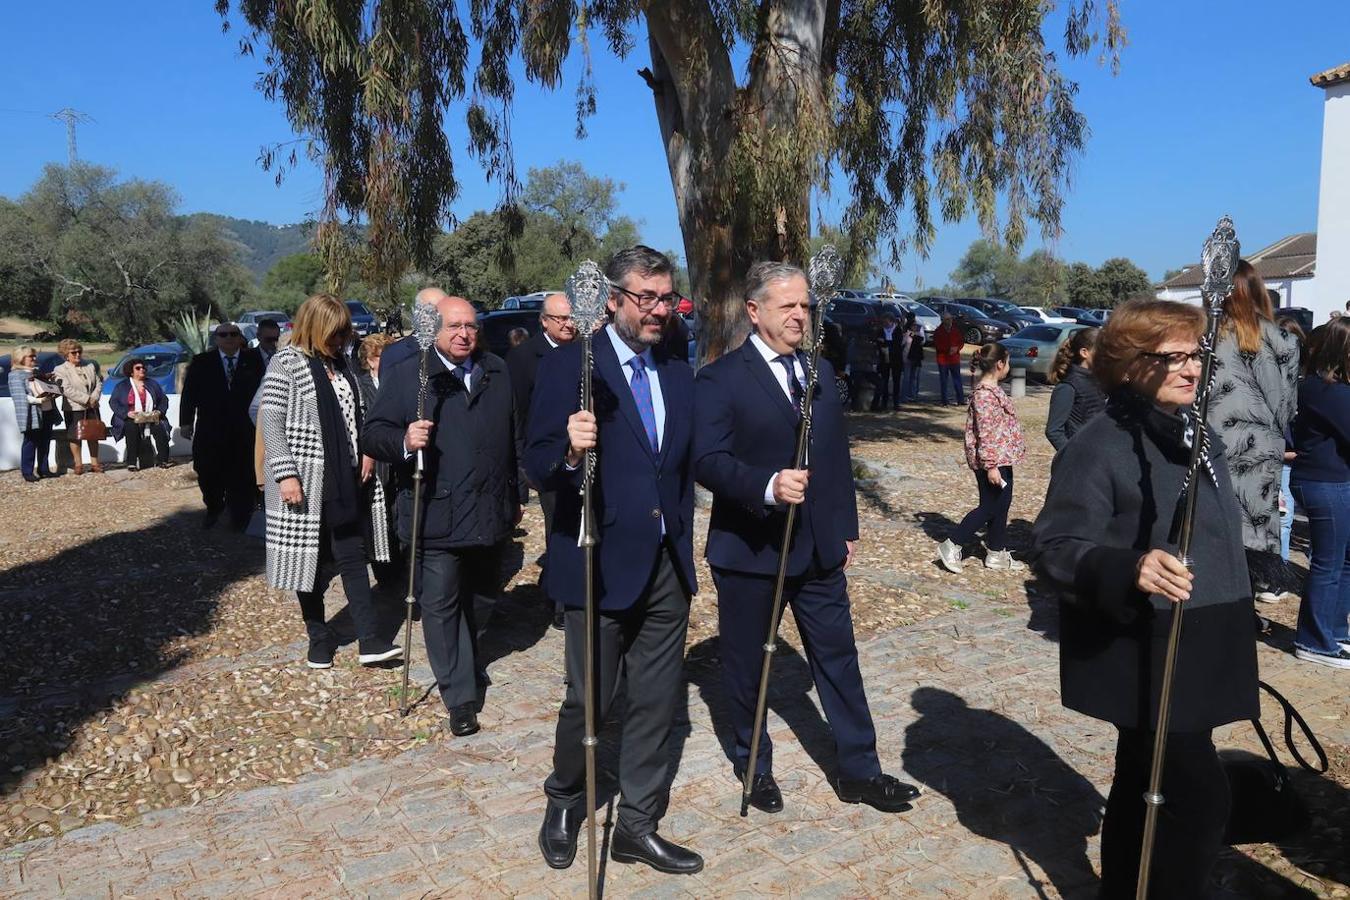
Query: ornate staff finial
x=1219 y=261
x=588 y=290
x=426 y=322
x=823 y=272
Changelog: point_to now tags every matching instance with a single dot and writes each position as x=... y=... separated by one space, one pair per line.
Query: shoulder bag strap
x=1291 y=716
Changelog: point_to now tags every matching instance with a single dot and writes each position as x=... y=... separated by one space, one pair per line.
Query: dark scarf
x=341 y=505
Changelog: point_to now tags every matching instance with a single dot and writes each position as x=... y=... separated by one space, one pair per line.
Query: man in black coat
x=747 y=411
x=468 y=439
x=556 y=329
x=890 y=362
x=642 y=428
x=213 y=414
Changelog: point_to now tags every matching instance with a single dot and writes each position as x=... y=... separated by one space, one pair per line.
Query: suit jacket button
x=656 y=513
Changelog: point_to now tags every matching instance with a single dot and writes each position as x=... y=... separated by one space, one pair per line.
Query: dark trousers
x=35 y=450
x=138 y=438
x=1190 y=824
x=992 y=511
x=548 y=502
x=342 y=551
x=450 y=584
x=951 y=372
x=912 y=372
x=644 y=643
x=889 y=376
x=819 y=602
x=225 y=475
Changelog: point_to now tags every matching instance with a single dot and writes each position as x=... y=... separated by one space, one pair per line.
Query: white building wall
x=1331 y=288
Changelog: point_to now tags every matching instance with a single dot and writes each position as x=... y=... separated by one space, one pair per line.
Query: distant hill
x=261 y=244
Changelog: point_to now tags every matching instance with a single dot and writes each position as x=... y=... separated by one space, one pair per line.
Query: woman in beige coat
x=81 y=390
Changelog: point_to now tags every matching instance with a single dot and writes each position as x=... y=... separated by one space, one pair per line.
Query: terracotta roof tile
x=1291 y=257
x=1334 y=75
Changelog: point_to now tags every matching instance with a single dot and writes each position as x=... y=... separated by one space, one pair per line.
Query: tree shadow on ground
x=939 y=526
x=519 y=618
x=919 y=420
x=788 y=698
x=1043 y=608
x=85 y=627
x=1007 y=785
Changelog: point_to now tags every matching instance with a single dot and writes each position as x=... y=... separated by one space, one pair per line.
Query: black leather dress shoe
x=764 y=793
x=884 y=792
x=655 y=851
x=558 y=835
x=463 y=720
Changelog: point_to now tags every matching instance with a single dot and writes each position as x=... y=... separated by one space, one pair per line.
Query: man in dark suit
x=556 y=329
x=890 y=362
x=644 y=513
x=469 y=501
x=746 y=419
x=213 y=413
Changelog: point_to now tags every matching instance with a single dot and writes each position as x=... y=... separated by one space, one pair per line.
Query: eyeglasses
x=561 y=320
x=647 y=301
x=76 y=352
x=138 y=368
x=460 y=327
x=1176 y=361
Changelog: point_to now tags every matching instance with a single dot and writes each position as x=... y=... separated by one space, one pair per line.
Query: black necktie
x=794 y=386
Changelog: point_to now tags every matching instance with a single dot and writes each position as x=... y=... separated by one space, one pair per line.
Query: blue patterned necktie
x=229 y=372
x=642 y=396
x=794 y=384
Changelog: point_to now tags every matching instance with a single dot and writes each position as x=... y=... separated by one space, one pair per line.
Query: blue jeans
x=1286 y=516
x=952 y=371
x=1322 y=617
x=34 y=450
x=912 y=373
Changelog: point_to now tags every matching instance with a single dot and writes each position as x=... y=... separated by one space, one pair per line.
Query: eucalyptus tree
x=927 y=109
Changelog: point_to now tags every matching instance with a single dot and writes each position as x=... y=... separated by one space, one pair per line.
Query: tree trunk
x=702 y=115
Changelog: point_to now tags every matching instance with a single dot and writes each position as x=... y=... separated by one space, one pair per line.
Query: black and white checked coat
x=293 y=446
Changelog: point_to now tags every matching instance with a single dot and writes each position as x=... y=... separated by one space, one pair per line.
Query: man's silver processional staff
x=588 y=291
x=822 y=274
x=1219 y=261
x=426 y=324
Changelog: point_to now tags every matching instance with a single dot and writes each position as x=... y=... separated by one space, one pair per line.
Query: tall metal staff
x=426 y=323
x=823 y=274
x=1219 y=260
x=588 y=291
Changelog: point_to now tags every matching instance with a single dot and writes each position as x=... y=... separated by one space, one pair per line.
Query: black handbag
x=1266 y=806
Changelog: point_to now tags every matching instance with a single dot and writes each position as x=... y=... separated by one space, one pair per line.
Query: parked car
x=1302 y=314
x=527 y=301
x=1068 y=312
x=161 y=364
x=1034 y=347
x=363 y=320
x=1046 y=317
x=47 y=360
x=852 y=313
x=1003 y=310
x=495 y=327
x=1095 y=317
x=976 y=327
x=253 y=318
x=925 y=315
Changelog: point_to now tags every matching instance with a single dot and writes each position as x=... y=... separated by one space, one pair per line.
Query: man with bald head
x=468 y=438
x=406 y=348
x=556 y=328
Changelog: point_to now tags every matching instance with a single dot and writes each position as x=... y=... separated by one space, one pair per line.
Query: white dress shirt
x=780 y=375
x=625 y=354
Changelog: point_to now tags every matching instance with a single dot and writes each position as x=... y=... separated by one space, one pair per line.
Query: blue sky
x=1211 y=113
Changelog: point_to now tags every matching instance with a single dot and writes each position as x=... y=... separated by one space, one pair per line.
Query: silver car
x=1034 y=347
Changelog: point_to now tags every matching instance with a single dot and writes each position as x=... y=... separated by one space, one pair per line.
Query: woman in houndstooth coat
x=324 y=510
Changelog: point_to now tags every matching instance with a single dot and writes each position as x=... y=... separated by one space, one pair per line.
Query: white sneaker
x=1267 y=597
x=1337 y=660
x=1003 y=561
x=949 y=555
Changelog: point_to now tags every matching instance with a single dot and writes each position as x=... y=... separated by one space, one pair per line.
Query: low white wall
x=108 y=451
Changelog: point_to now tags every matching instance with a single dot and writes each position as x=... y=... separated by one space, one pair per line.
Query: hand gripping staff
x=588 y=291
x=823 y=274
x=1219 y=261
x=426 y=324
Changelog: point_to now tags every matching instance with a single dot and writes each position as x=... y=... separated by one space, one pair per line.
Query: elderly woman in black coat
x=1107 y=537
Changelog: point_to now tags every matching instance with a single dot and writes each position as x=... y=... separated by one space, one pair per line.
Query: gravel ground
x=149 y=665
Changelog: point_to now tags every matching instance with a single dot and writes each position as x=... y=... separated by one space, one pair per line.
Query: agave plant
x=192 y=332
